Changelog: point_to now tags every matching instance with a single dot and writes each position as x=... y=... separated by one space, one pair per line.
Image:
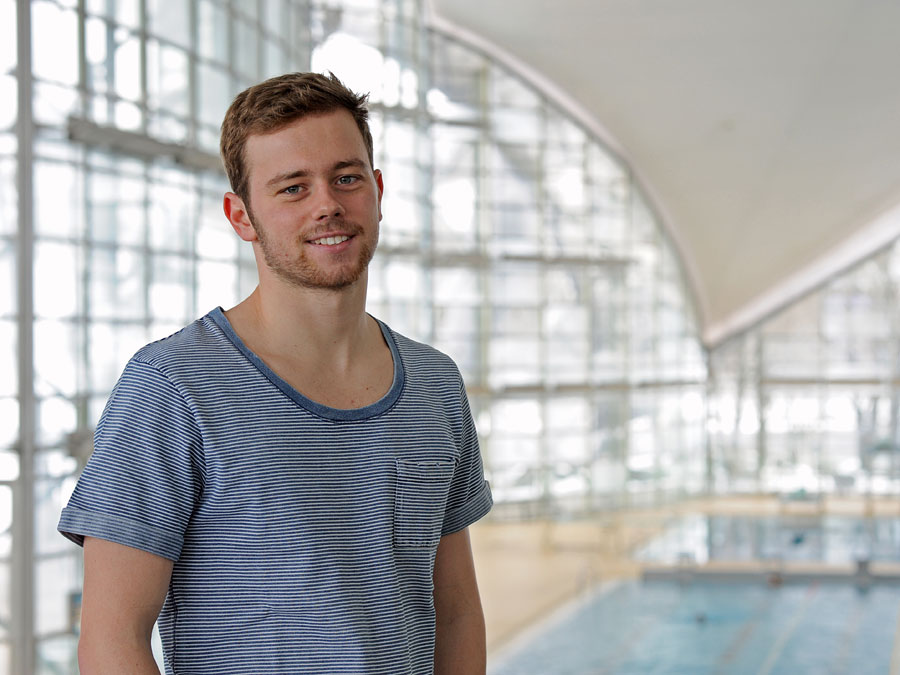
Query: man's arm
x=124 y=590
x=459 y=639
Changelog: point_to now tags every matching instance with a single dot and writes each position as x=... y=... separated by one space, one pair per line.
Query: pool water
x=828 y=539
x=643 y=628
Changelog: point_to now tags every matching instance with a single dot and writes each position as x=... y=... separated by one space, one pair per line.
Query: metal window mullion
x=83 y=399
x=83 y=322
x=22 y=590
x=144 y=68
x=231 y=19
x=656 y=309
x=193 y=251
x=592 y=400
x=193 y=135
x=482 y=236
x=543 y=247
x=197 y=187
x=261 y=41
x=821 y=391
x=425 y=173
x=761 y=404
x=893 y=341
x=545 y=453
x=83 y=86
x=709 y=390
x=587 y=281
x=485 y=313
x=145 y=251
x=627 y=341
x=112 y=95
x=301 y=55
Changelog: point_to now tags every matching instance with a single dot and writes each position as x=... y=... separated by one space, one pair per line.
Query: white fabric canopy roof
x=766 y=133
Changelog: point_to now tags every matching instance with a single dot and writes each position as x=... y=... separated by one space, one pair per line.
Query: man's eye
x=292 y=190
x=346 y=180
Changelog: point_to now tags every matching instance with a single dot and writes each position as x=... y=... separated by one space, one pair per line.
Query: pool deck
x=527 y=571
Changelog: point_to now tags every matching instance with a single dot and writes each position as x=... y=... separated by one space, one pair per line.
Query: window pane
x=55 y=280
x=58 y=583
x=453 y=200
x=8 y=362
x=59 y=215
x=56 y=418
x=117 y=283
x=170 y=295
x=54 y=43
x=217 y=286
x=7 y=278
x=170 y=19
x=7 y=39
x=213 y=31
x=125 y=12
x=172 y=211
x=167 y=74
x=57 y=356
x=214 y=94
x=111 y=346
x=8 y=198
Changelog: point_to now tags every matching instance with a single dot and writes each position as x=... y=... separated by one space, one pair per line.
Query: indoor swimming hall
x=659 y=241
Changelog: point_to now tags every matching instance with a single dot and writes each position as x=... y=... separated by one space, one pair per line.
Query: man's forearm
x=114 y=657
x=459 y=645
x=124 y=589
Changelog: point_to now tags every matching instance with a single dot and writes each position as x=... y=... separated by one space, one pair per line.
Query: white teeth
x=331 y=241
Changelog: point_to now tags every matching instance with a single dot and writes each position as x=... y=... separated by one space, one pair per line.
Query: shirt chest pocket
x=422 y=489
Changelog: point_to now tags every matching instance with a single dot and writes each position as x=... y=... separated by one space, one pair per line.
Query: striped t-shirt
x=303 y=537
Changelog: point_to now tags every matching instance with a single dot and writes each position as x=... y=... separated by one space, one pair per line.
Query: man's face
x=316 y=202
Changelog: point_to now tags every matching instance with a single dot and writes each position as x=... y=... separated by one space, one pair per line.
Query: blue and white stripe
x=303 y=536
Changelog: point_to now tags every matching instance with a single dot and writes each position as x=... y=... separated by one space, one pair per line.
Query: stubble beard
x=298 y=269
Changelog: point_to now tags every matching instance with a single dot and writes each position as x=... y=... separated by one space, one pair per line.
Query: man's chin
x=321 y=282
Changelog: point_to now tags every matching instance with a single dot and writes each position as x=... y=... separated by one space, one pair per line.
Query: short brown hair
x=270 y=105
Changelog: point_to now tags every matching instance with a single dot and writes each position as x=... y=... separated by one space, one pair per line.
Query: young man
x=286 y=485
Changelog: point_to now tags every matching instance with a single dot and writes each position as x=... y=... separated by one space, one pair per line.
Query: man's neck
x=312 y=326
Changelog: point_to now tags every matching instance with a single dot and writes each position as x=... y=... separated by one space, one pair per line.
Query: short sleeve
x=145 y=475
x=470 y=495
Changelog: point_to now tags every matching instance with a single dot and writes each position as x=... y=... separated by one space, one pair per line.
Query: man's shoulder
x=421 y=352
x=424 y=363
x=194 y=344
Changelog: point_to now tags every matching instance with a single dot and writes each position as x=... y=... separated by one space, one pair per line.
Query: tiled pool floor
x=644 y=628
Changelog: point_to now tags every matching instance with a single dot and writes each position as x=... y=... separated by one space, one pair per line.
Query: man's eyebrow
x=287 y=175
x=350 y=164
x=303 y=173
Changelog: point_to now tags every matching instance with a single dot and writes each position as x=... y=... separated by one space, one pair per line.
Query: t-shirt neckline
x=336 y=414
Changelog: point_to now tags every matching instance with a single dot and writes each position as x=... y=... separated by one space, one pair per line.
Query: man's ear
x=379 y=181
x=239 y=217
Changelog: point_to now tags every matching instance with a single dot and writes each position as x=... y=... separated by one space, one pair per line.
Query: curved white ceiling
x=767 y=132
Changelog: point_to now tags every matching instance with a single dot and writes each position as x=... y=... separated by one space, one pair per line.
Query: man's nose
x=328 y=205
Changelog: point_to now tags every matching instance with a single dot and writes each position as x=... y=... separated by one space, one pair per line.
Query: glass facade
x=9 y=399
x=807 y=402
x=512 y=240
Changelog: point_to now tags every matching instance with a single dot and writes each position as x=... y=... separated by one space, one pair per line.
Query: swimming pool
x=646 y=628
x=827 y=539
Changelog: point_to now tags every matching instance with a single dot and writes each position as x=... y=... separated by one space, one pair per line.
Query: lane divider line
x=895 y=652
x=783 y=639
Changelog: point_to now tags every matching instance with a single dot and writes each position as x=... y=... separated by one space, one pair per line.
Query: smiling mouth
x=330 y=241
